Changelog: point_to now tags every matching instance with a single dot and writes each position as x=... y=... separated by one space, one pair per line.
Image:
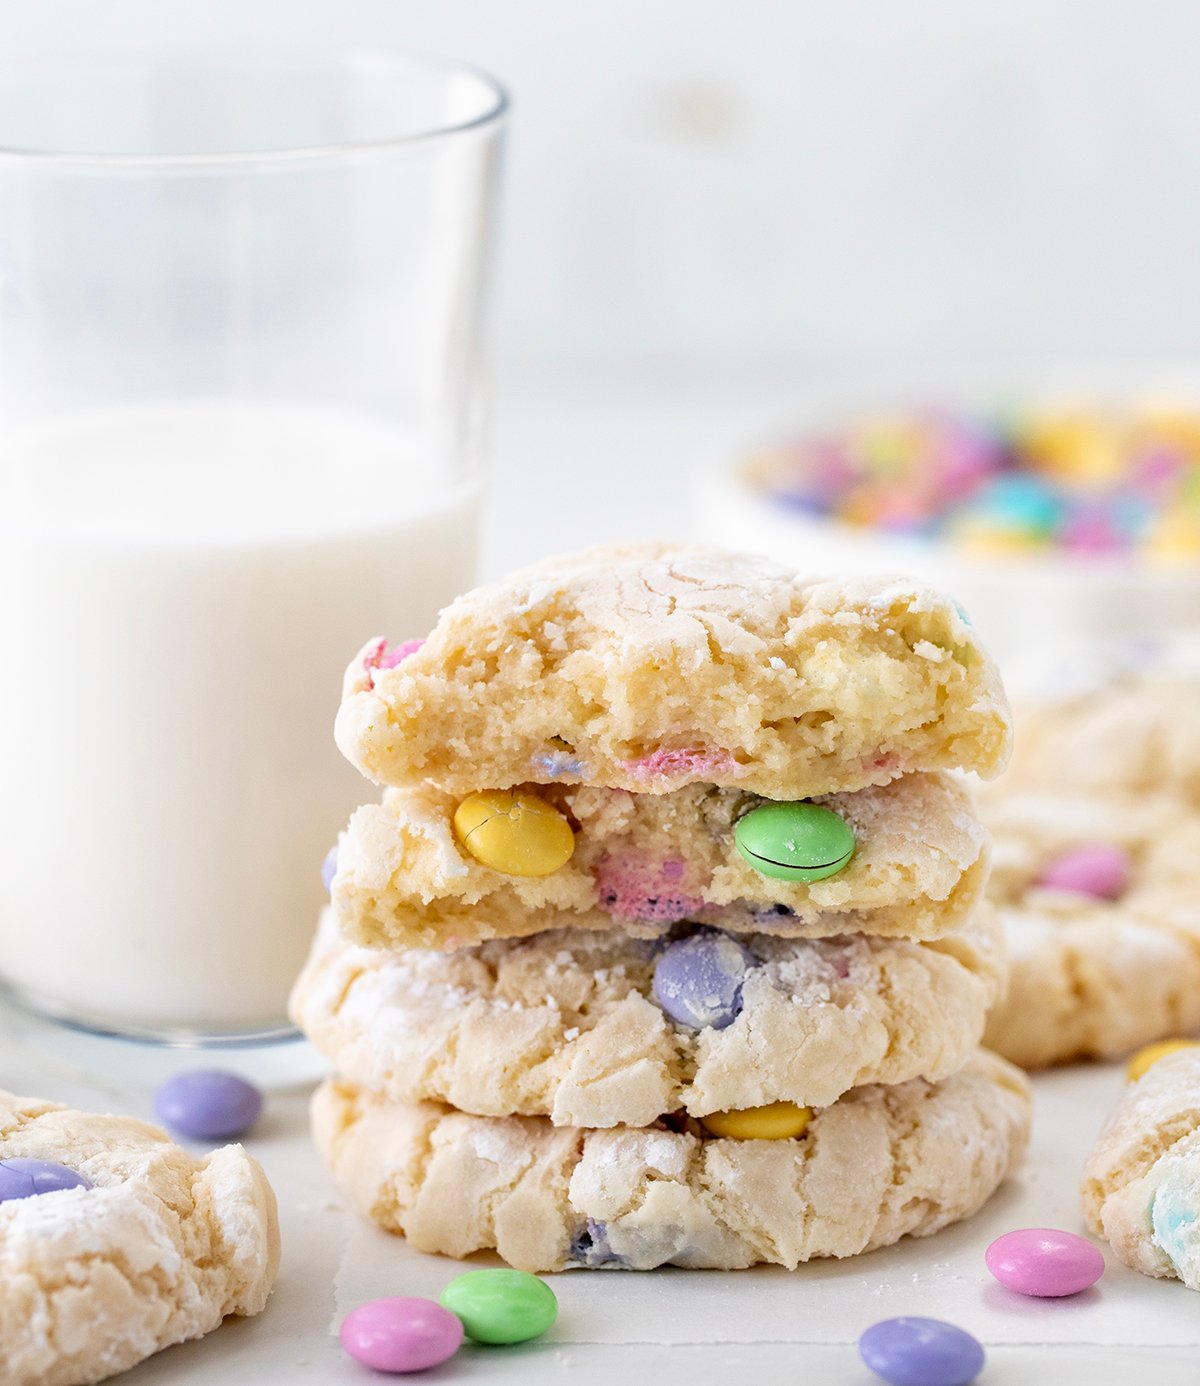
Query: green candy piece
x=794 y=841
x=501 y=1306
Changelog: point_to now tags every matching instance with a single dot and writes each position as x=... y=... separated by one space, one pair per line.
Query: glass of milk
x=241 y=296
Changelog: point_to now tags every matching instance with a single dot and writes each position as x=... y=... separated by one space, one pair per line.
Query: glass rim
x=493 y=114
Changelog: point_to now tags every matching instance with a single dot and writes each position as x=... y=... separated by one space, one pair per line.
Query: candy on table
x=1044 y=1262
x=698 y=979
x=514 y=832
x=1098 y=869
x=777 y=1121
x=23 y=1178
x=208 y=1104
x=1146 y=1057
x=401 y=1333
x=501 y=1306
x=921 y=1352
x=794 y=841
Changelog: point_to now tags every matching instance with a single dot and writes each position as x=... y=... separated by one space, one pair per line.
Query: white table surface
x=578 y=461
x=670 y=1325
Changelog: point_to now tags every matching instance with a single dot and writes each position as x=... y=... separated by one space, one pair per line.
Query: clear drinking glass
x=241 y=297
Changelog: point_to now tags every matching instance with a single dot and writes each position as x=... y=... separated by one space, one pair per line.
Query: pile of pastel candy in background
x=667 y=941
x=1091 y=482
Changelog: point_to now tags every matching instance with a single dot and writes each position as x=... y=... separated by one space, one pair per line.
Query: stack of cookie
x=666 y=942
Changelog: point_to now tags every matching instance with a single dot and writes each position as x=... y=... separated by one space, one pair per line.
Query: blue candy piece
x=28 y=1178
x=698 y=980
x=208 y=1105
x=921 y=1352
x=1021 y=501
x=329 y=867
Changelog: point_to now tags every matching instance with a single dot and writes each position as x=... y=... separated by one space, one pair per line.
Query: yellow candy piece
x=514 y=832
x=1146 y=1058
x=777 y=1121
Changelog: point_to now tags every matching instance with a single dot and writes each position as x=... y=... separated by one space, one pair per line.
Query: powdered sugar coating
x=880 y=1164
x=659 y=666
x=566 y=1024
x=160 y=1249
x=1139 y=1182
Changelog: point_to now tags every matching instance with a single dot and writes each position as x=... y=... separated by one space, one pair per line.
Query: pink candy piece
x=684 y=765
x=401 y=1334
x=1094 y=868
x=378 y=656
x=636 y=887
x=1044 y=1262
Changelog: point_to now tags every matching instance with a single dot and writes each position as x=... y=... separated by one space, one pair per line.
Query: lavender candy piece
x=589 y=1247
x=208 y=1104
x=698 y=979
x=329 y=867
x=28 y=1178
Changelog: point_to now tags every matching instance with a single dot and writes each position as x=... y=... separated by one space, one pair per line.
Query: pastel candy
x=1044 y=1262
x=514 y=832
x=208 y=1104
x=698 y=980
x=401 y=1333
x=777 y=1121
x=921 y=1352
x=1098 y=869
x=794 y=841
x=1149 y=1055
x=501 y=1306
x=329 y=867
x=22 y=1178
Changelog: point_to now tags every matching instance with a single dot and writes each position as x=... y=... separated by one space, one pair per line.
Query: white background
x=787 y=183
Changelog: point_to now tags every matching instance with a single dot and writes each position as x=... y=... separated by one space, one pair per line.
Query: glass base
x=100 y=1053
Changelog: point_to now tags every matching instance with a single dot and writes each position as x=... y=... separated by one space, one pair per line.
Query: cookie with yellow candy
x=1140 y=1179
x=428 y=869
x=867 y=1170
x=600 y=1029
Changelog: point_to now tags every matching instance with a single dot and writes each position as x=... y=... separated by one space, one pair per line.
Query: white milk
x=181 y=587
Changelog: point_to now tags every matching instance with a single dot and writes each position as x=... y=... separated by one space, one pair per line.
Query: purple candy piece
x=921 y=1352
x=28 y=1178
x=589 y=1247
x=208 y=1104
x=698 y=980
x=329 y=867
x=401 y=1333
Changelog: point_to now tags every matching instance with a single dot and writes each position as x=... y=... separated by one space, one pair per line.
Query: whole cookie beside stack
x=1096 y=869
x=666 y=943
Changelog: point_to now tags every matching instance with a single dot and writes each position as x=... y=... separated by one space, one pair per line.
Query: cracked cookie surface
x=1093 y=978
x=1140 y=1180
x=880 y=1164
x=160 y=1249
x=565 y=1025
x=643 y=861
x=658 y=666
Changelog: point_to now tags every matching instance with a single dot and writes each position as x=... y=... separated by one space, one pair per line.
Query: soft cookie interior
x=642 y=862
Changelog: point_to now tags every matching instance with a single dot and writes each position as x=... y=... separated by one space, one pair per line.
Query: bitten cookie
x=880 y=1164
x=159 y=1249
x=1141 y=1183
x=596 y=1029
x=643 y=861
x=1100 y=900
x=656 y=667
